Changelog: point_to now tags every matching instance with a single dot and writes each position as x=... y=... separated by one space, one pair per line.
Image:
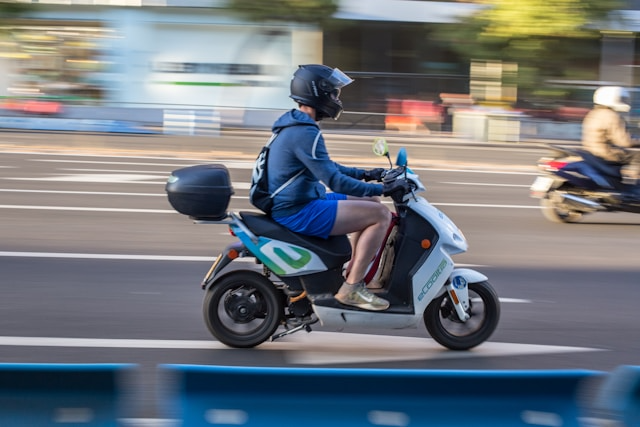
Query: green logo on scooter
x=298 y=263
x=285 y=259
x=432 y=279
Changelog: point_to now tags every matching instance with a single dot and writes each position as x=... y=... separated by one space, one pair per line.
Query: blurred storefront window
x=56 y=63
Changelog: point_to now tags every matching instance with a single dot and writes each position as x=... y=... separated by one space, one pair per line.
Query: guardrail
x=618 y=399
x=61 y=394
x=251 y=396
x=194 y=395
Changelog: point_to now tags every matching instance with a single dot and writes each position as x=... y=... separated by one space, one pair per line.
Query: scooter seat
x=334 y=251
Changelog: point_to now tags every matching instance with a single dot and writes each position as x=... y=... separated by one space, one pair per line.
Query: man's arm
x=618 y=134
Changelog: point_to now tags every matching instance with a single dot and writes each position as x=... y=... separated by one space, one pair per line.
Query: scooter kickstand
x=305 y=325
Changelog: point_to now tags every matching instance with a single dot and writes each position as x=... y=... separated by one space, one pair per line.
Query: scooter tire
x=558 y=214
x=243 y=309
x=446 y=328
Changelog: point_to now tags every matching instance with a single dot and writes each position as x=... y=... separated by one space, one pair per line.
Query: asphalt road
x=97 y=267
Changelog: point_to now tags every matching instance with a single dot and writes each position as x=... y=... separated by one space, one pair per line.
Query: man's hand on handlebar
x=396 y=189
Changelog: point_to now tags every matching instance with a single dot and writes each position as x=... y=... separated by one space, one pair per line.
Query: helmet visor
x=339 y=79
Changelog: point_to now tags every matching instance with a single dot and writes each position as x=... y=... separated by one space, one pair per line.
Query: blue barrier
x=42 y=395
x=251 y=396
x=93 y=395
x=618 y=398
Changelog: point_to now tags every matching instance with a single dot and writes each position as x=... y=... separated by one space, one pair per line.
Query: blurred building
x=196 y=53
x=150 y=55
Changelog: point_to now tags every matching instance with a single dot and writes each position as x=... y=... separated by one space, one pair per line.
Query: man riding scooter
x=605 y=135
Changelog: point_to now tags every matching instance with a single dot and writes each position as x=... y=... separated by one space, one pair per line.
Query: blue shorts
x=316 y=218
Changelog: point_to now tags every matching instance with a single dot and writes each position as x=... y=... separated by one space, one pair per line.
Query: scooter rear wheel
x=243 y=309
x=446 y=328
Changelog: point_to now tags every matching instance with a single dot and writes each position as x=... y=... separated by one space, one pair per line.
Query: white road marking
x=336 y=347
x=317 y=347
x=249 y=164
x=106 y=256
x=231 y=164
x=100 y=177
x=76 y=208
x=180 y=258
x=514 y=300
x=241 y=186
x=112 y=171
x=86 y=193
x=144 y=257
x=148 y=211
x=486 y=184
x=109 y=343
x=477 y=205
x=484 y=170
x=236 y=186
x=102 y=162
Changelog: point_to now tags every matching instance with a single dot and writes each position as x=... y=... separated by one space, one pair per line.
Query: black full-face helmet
x=319 y=86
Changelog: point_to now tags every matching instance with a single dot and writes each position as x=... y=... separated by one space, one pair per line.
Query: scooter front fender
x=458 y=289
x=467 y=274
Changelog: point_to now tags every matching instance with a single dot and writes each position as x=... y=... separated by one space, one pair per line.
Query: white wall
x=186 y=61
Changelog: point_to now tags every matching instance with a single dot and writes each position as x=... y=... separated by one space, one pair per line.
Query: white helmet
x=615 y=97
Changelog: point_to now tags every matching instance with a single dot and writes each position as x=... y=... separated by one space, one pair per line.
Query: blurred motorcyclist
x=604 y=130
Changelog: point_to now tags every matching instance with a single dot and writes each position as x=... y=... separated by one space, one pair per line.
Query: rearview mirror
x=380 y=146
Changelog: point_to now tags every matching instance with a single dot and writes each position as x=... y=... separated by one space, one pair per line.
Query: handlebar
x=397 y=186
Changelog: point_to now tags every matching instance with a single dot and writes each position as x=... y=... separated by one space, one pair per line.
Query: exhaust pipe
x=581 y=203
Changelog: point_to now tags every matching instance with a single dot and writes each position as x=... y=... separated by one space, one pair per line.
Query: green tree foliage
x=304 y=11
x=11 y=9
x=536 y=18
x=547 y=39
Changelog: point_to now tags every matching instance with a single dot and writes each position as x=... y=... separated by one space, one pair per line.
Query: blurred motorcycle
x=575 y=182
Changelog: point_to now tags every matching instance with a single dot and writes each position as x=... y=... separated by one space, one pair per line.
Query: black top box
x=202 y=191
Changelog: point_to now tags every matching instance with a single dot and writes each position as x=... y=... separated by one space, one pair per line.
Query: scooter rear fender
x=231 y=252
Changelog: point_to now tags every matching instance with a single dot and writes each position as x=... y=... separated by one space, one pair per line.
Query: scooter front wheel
x=243 y=309
x=555 y=211
x=446 y=328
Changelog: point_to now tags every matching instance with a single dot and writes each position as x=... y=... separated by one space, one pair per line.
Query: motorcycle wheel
x=446 y=328
x=243 y=309
x=556 y=212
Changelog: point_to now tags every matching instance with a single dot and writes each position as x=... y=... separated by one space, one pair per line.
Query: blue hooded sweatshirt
x=300 y=146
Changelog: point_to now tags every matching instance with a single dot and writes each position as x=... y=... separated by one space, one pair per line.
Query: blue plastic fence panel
x=252 y=396
x=618 y=399
x=43 y=395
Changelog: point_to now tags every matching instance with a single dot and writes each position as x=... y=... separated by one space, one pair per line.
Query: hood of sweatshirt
x=293 y=118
